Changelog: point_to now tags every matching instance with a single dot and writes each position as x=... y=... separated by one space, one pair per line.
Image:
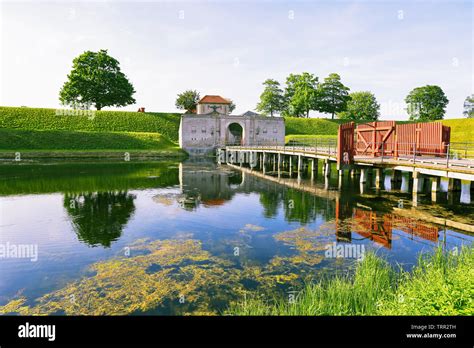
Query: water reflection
x=99 y=217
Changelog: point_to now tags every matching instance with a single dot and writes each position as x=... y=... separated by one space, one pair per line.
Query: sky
x=229 y=48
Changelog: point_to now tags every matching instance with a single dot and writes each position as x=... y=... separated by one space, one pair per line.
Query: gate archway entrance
x=234 y=134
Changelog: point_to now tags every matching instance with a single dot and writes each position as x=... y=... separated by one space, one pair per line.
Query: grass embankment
x=462 y=129
x=299 y=129
x=79 y=140
x=167 y=124
x=440 y=284
x=42 y=133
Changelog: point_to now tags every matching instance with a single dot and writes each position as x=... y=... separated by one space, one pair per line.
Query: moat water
x=190 y=238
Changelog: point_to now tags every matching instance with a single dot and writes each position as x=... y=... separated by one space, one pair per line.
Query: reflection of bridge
x=379 y=227
x=412 y=217
x=421 y=149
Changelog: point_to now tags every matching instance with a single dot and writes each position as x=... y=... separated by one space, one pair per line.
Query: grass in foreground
x=440 y=284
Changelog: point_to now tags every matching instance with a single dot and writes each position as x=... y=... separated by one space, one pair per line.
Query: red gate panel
x=345 y=144
x=429 y=139
x=373 y=138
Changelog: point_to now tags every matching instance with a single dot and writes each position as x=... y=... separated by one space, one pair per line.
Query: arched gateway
x=202 y=133
x=234 y=134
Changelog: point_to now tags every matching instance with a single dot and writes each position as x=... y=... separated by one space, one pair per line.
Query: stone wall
x=199 y=134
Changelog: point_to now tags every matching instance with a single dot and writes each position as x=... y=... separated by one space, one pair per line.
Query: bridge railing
x=448 y=155
x=324 y=146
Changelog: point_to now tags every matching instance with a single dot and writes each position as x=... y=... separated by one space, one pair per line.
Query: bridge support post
x=434 y=188
x=414 y=199
x=434 y=184
x=327 y=168
x=264 y=159
x=299 y=166
x=290 y=169
x=378 y=174
x=314 y=162
x=466 y=191
x=418 y=181
x=445 y=184
x=388 y=179
x=363 y=175
x=405 y=182
x=279 y=165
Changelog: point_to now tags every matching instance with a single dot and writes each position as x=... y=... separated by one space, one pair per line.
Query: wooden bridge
x=380 y=148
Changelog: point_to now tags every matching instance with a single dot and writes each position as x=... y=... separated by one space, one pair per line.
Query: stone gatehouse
x=203 y=132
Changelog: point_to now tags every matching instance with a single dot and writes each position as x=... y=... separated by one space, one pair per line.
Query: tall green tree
x=427 y=103
x=271 y=99
x=362 y=106
x=187 y=101
x=333 y=95
x=469 y=106
x=96 y=79
x=301 y=95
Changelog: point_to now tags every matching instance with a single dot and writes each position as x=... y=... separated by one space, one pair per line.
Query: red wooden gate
x=345 y=145
x=375 y=137
x=385 y=138
x=422 y=139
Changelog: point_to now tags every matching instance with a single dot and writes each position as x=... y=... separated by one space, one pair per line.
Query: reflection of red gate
x=375 y=138
x=345 y=144
x=369 y=226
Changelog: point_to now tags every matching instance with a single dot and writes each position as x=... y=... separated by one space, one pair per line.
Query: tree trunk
x=98 y=106
x=332 y=117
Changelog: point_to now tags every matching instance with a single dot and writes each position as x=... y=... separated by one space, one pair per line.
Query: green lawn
x=440 y=284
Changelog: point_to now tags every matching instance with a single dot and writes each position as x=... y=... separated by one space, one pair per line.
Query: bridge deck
x=430 y=165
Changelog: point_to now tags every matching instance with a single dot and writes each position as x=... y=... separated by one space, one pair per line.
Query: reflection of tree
x=99 y=217
x=270 y=201
x=304 y=207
